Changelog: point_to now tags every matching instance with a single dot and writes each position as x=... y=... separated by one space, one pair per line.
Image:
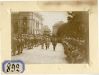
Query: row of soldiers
x=46 y=40
x=19 y=42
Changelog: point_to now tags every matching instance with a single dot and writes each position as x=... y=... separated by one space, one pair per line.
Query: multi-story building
x=26 y=22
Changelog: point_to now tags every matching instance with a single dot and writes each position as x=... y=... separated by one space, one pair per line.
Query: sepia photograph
x=50 y=37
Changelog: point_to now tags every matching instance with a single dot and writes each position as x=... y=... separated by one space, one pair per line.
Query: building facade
x=26 y=23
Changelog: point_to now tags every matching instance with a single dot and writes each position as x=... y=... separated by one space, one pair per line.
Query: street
x=42 y=56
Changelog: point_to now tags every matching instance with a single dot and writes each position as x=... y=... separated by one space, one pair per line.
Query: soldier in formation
x=47 y=42
x=54 y=42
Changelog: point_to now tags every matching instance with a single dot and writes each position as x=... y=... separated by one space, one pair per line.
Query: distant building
x=26 y=22
x=46 y=30
x=56 y=26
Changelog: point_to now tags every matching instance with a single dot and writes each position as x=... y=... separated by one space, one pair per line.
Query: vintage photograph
x=50 y=37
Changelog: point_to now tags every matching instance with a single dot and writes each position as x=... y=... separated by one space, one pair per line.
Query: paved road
x=42 y=56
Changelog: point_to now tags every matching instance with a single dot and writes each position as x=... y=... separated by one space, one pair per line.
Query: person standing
x=54 y=42
x=47 y=42
x=19 y=44
x=14 y=45
x=22 y=43
x=42 y=43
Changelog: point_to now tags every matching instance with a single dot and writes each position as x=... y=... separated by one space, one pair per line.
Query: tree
x=77 y=25
x=76 y=28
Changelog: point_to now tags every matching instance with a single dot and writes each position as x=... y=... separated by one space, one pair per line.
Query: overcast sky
x=50 y=18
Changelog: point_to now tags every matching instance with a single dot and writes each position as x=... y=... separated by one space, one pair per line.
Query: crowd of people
x=20 y=42
x=74 y=49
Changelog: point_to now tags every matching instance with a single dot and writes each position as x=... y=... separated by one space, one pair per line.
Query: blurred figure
x=42 y=42
x=14 y=45
x=35 y=41
x=32 y=40
x=26 y=41
x=47 y=42
x=54 y=42
x=19 y=46
x=29 y=42
x=22 y=43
